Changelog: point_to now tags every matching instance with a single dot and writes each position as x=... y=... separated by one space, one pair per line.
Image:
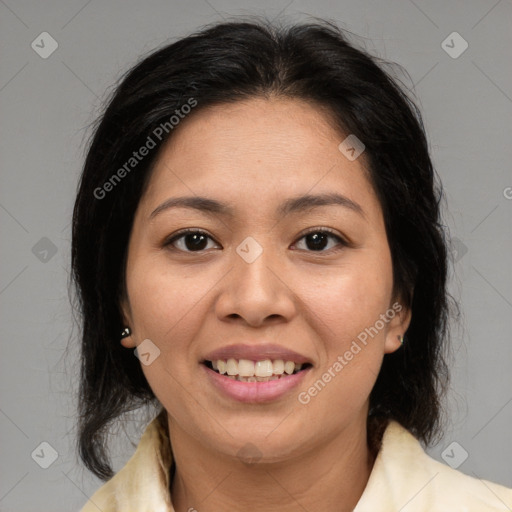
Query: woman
x=258 y=223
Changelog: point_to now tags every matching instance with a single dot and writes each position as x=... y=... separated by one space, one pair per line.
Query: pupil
x=315 y=241
x=198 y=241
x=319 y=240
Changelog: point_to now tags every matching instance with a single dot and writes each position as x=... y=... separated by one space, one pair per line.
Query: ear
x=397 y=326
x=126 y=315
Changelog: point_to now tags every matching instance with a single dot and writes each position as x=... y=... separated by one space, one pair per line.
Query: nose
x=256 y=292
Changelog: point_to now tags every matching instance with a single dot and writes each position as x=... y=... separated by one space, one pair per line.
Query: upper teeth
x=248 y=368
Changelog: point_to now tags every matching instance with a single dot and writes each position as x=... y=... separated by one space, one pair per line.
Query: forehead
x=256 y=152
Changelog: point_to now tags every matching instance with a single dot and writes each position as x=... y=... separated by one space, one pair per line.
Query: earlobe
x=395 y=337
x=126 y=334
x=393 y=343
x=126 y=338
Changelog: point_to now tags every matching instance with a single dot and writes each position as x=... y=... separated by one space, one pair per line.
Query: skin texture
x=253 y=155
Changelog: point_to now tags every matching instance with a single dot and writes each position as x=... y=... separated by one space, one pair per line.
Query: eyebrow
x=292 y=205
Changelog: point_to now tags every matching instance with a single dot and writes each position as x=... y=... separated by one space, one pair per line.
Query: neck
x=330 y=477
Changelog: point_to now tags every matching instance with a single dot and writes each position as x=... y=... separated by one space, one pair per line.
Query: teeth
x=263 y=368
x=289 y=367
x=256 y=379
x=221 y=366
x=255 y=371
x=232 y=367
x=245 y=368
x=278 y=365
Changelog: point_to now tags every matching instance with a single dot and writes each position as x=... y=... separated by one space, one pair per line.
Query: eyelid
x=321 y=229
x=343 y=241
x=169 y=240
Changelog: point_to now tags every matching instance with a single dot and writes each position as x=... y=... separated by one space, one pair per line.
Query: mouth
x=255 y=372
x=246 y=370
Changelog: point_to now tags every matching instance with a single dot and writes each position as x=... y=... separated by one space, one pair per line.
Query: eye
x=194 y=240
x=317 y=240
x=189 y=240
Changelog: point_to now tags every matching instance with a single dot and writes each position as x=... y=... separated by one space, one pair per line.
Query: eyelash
x=189 y=231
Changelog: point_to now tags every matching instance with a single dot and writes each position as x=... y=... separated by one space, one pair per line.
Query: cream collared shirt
x=404 y=479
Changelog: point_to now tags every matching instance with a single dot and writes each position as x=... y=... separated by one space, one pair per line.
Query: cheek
x=346 y=305
x=165 y=307
x=352 y=298
x=159 y=298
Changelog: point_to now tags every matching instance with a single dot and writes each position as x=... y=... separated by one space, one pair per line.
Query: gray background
x=46 y=105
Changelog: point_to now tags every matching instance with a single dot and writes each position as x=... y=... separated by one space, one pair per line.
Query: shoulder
x=143 y=483
x=406 y=478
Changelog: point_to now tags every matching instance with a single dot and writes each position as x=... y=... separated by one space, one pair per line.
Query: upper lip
x=258 y=352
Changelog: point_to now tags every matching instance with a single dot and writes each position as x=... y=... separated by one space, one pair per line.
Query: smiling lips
x=255 y=373
x=246 y=370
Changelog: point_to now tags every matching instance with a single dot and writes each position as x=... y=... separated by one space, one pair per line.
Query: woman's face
x=262 y=281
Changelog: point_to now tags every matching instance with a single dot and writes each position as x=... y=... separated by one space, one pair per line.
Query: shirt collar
x=403 y=478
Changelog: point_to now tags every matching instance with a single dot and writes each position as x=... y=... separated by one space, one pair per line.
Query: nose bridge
x=255 y=290
x=253 y=266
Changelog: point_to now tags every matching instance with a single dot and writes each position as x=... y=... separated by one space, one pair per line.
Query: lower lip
x=255 y=392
